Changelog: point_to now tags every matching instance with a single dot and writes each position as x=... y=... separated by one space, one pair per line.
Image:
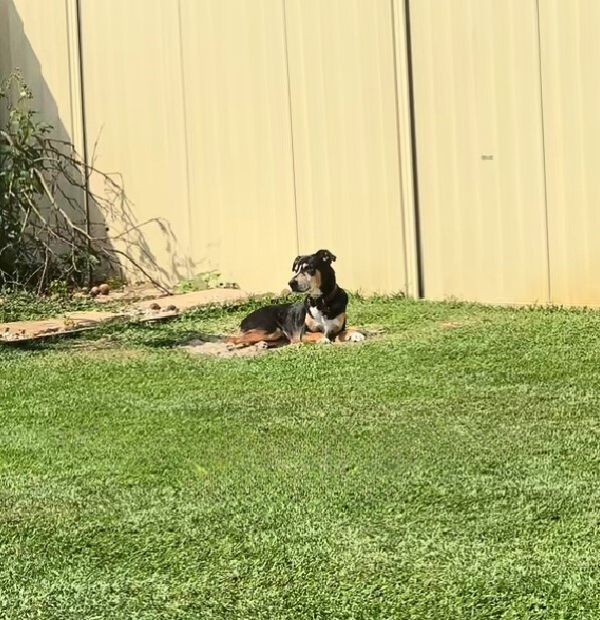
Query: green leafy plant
x=204 y=281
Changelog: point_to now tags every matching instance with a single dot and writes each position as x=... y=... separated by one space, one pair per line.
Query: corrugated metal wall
x=41 y=39
x=201 y=132
x=570 y=51
x=344 y=119
x=255 y=129
x=480 y=152
x=506 y=96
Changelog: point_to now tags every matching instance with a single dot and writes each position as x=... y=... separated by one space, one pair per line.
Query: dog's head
x=313 y=273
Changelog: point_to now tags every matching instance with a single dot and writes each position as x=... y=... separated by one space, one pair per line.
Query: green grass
x=448 y=468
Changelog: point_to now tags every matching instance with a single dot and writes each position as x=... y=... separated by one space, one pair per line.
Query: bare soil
x=217 y=347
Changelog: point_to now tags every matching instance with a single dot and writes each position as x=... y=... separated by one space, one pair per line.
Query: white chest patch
x=327 y=325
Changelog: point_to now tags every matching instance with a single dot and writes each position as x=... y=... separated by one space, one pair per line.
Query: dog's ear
x=325 y=256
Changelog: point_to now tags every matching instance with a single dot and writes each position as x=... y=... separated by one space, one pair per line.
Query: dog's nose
x=292 y=284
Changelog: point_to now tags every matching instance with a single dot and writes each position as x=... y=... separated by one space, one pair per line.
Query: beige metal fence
x=257 y=129
x=507 y=95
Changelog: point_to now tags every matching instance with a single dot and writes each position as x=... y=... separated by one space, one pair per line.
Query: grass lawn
x=446 y=469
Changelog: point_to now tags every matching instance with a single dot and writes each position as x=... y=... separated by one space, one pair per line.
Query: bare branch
x=44 y=233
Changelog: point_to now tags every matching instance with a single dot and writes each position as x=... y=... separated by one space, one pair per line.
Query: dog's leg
x=350 y=335
x=298 y=336
x=313 y=337
x=295 y=325
x=254 y=336
x=316 y=338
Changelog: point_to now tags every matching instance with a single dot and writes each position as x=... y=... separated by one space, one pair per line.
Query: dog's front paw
x=356 y=337
x=325 y=340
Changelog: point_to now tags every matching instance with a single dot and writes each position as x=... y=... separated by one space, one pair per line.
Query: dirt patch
x=145 y=294
x=217 y=347
x=22 y=331
x=128 y=294
x=188 y=301
x=161 y=309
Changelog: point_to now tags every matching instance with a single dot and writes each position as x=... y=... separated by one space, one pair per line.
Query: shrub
x=44 y=186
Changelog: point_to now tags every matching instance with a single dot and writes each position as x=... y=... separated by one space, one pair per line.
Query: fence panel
x=345 y=123
x=480 y=150
x=135 y=126
x=40 y=39
x=571 y=93
x=242 y=212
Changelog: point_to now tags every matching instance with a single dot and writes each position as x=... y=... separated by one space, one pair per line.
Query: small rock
x=104 y=289
x=95 y=291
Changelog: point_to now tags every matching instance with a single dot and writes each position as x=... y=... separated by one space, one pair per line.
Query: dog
x=321 y=317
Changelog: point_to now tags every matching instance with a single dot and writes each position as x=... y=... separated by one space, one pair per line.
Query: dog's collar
x=332 y=294
x=325 y=299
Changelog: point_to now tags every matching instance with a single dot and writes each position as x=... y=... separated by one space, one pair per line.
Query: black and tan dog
x=321 y=317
